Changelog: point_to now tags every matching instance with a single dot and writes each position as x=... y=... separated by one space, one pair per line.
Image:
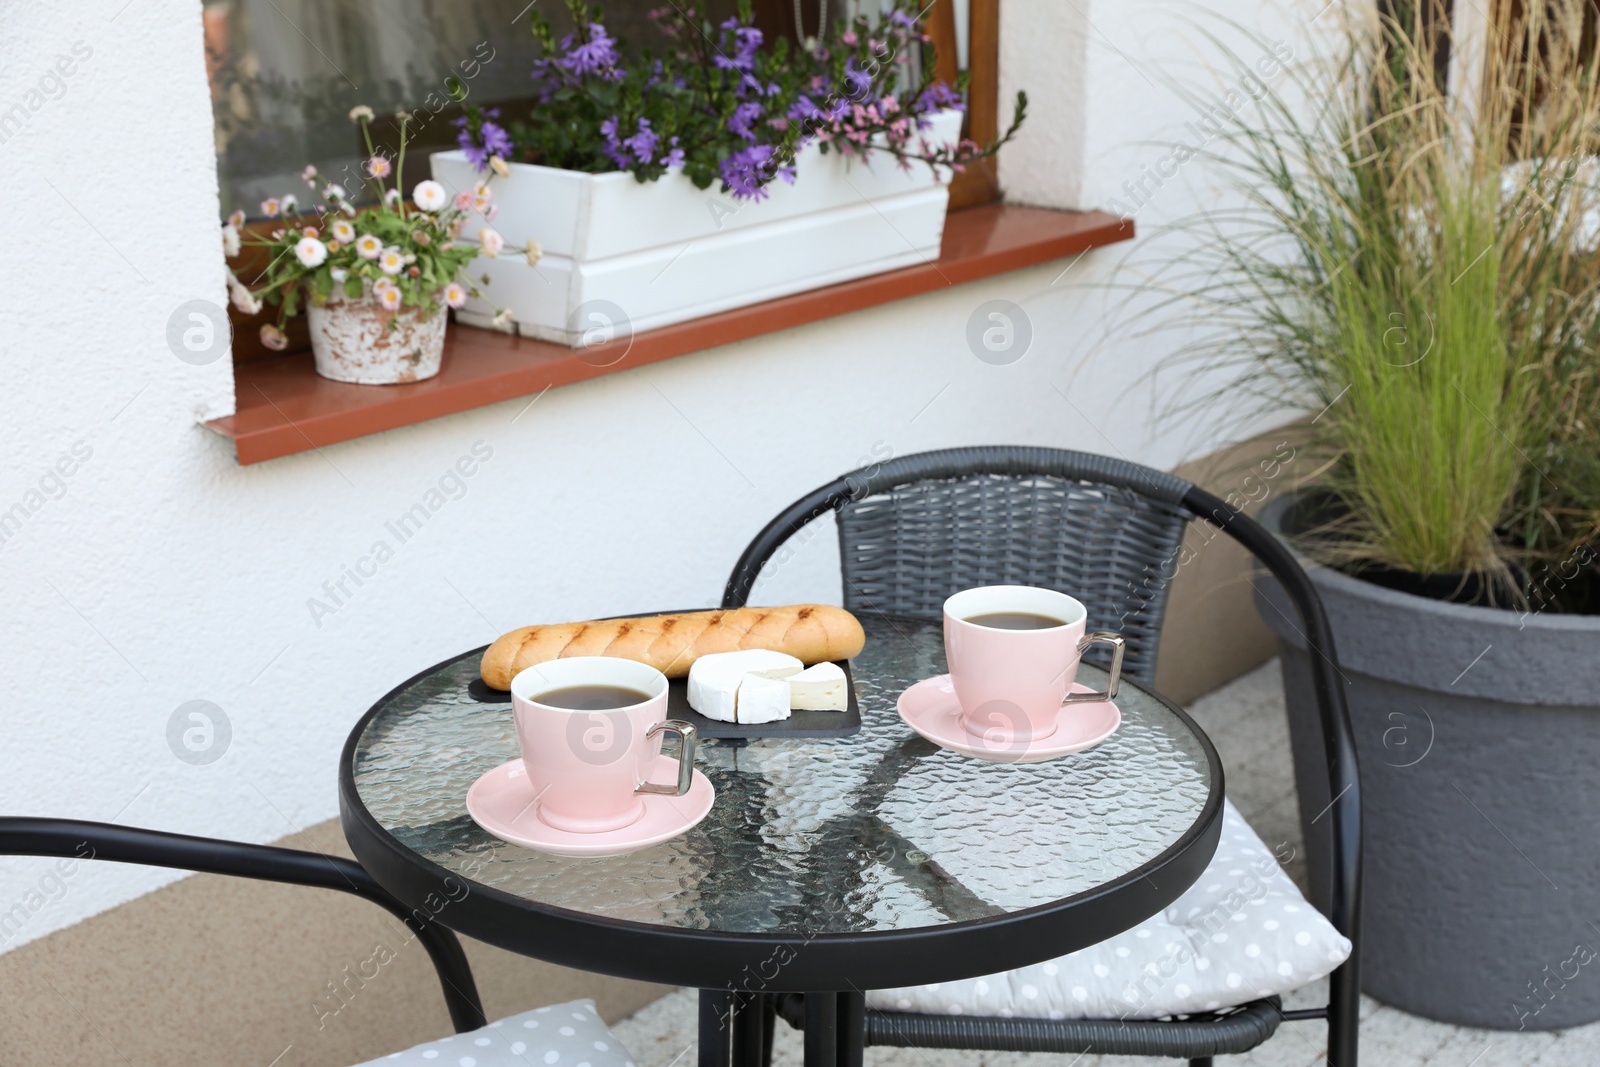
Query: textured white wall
x=159 y=572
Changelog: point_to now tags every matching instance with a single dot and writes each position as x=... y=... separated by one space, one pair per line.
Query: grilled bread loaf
x=812 y=633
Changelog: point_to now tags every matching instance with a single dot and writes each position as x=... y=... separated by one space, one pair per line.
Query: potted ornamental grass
x=1418 y=272
x=711 y=170
x=375 y=283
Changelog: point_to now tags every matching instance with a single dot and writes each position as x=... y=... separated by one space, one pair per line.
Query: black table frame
x=732 y=969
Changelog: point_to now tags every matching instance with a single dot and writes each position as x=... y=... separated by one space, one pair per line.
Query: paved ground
x=1246 y=721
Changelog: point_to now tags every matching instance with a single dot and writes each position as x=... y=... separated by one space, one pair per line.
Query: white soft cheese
x=763 y=698
x=819 y=688
x=714 y=679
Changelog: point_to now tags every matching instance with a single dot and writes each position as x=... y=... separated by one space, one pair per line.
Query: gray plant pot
x=1478 y=735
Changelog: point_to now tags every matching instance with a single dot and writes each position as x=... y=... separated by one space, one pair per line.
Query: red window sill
x=284 y=407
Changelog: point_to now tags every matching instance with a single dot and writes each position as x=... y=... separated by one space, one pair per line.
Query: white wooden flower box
x=623 y=255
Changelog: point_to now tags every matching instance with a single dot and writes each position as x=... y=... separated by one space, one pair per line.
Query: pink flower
x=379 y=166
x=270 y=208
x=236 y=219
x=490 y=243
x=308 y=174
x=455 y=295
x=389 y=297
x=273 y=338
x=463 y=201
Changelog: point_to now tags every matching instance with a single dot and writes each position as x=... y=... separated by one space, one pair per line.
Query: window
x=285 y=73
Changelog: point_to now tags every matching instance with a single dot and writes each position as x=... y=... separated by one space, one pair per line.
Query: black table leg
x=852 y=1029
x=822 y=1030
x=716 y=1037
x=769 y=1027
x=735 y=1029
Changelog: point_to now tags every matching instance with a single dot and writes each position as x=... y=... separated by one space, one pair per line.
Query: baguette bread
x=811 y=633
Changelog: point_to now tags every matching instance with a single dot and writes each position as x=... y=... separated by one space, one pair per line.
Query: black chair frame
x=1197 y=1038
x=74 y=839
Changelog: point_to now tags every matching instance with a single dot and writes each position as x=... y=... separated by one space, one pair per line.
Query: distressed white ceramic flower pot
x=621 y=255
x=359 y=341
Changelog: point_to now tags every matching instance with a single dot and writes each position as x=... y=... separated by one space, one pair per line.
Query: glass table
x=839 y=865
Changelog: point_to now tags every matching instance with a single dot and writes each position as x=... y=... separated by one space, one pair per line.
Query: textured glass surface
x=880 y=831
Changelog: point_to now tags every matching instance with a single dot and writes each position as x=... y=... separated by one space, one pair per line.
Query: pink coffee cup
x=1012 y=684
x=588 y=766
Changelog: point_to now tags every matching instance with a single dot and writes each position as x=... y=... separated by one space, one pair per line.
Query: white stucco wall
x=160 y=572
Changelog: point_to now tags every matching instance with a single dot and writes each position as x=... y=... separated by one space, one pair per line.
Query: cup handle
x=687 y=732
x=1114 y=678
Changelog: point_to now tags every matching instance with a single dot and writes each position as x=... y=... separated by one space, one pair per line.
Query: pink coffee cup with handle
x=587 y=766
x=1013 y=683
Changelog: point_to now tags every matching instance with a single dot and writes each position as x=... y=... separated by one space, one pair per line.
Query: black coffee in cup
x=591 y=697
x=1014 y=620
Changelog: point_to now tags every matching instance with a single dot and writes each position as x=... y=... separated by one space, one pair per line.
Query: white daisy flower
x=500 y=166
x=368 y=246
x=230 y=240
x=309 y=173
x=502 y=319
x=535 y=252
x=242 y=298
x=270 y=208
x=360 y=112
x=236 y=219
x=390 y=261
x=455 y=295
x=389 y=298
x=392 y=197
x=343 y=231
x=429 y=196
x=291 y=205
x=333 y=192
x=490 y=242
x=311 y=252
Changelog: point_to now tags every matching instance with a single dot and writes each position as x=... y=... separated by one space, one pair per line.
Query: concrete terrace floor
x=1246 y=721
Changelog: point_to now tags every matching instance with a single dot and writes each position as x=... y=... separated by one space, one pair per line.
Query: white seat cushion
x=1241 y=932
x=565 y=1035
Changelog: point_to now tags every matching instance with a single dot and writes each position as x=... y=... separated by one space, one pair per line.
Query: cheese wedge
x=819 y=688
x=714 y=680
x=763 y=699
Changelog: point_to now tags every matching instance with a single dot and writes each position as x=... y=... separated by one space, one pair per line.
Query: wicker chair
x=71 y=839
x=917 y=528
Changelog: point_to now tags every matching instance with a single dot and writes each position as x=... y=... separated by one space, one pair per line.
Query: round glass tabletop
x=881 y=832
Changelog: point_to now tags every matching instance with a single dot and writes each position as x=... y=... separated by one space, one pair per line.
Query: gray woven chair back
x=905 y=546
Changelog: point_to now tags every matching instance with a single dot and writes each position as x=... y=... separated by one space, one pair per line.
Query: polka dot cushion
x=564 y=1035
x=1241 y=932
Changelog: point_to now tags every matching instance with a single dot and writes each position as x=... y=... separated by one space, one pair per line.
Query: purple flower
x=744 y=118
x=937 y=96
x=748 y=170
x=746 y=41
x=492 y=140
x=613 y=146
x=643 y=143
x=597 y=55
x=856 y=81
x=495 y=140
x=674 y=156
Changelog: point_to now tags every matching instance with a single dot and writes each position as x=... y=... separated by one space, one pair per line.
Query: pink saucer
x=503 y=803
x=931 y=709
